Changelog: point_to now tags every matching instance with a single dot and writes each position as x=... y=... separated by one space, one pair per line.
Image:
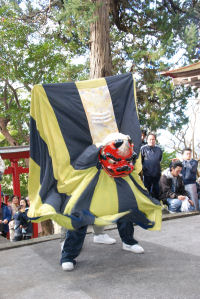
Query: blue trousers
x=174 y=205
x=152 y=185
x=75 y=239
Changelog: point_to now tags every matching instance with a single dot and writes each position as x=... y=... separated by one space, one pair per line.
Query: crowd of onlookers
x=14 y=219
x=177 y=187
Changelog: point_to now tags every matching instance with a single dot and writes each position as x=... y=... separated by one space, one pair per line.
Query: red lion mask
x=117 y=157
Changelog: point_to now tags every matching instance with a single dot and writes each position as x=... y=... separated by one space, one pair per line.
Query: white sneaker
x=171 y=212
x=136 y=248
x=68 y=266
x=104 y=239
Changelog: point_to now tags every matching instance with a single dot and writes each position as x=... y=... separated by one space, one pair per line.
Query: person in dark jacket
x=5 y=217
x=189 y=173
x=151 y=158
x=172 y=190
x=23 y=225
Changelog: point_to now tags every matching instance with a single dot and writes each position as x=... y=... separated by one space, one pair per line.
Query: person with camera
x=23 y=225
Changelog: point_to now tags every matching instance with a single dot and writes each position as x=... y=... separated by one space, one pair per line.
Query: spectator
x=198 y=189
x=172 y=190
x=23 y=225
x=14 y=209
x=143 y=137
x=2 y=167
x=5 y=217
x=151 y=158
x=189 y=173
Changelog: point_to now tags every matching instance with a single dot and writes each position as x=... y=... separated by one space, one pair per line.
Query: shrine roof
x=189 y=75
x=15 y=152
x=14 y=149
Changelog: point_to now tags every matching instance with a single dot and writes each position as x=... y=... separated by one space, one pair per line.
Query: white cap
x=115 y=136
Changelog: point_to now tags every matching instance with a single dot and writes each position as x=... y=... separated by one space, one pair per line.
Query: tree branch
x=15 y=95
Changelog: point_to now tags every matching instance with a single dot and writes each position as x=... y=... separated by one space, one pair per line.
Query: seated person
x=23 y=225
x=172 y=190
x=13 y=208
x=5 y=217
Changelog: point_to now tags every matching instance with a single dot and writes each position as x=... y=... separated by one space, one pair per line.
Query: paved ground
x=169 y=269
x=3 y=241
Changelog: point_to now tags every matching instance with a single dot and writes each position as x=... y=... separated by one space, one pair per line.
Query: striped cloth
x=69 y=121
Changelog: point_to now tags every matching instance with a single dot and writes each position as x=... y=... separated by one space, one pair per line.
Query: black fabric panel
x=81 y=219
x=145 y=192
x=88 y=158
x=122 y=95
x=35 y=142
x=84 y=201
x=127 y=202
x=55 y=199
x=80 y=215
x=126 y=197
x=48 y=192
x=66 y=103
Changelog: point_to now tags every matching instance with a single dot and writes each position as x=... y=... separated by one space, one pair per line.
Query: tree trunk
x=5 y=132
x=100 y=54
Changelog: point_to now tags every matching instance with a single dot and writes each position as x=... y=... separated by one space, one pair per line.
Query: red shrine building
x=14 y=154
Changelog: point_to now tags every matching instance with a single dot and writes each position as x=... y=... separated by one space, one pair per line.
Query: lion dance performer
x=85 y=161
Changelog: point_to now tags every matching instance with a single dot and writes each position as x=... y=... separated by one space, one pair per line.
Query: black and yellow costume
x=66 y=182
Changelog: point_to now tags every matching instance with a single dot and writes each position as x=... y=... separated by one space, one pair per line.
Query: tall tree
x=100 y=52
x=38 y=44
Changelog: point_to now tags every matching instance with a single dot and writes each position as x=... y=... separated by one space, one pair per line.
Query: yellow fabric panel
x=59 y=218
x=153 y=212
x=79 y=190
x=99 y=111
x=37 y=208
x=34 y=188
x=63 y=221
x=91 y=83
x=105 y=197
x=138 y=165
x=68 y=178
x=109 y=219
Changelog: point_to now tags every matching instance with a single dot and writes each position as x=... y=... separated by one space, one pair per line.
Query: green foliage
x=167 y=159
x=38 y=44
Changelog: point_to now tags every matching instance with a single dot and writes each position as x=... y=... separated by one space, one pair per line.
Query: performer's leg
x=126 y=232
x=100 y=237
x=148 y=182
x=72 y=247
x=63 y=232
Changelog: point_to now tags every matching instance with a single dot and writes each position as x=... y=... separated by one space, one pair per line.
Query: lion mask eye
x=111 y=161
